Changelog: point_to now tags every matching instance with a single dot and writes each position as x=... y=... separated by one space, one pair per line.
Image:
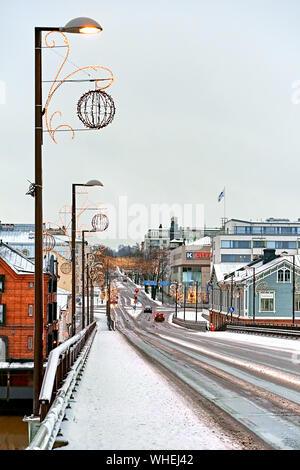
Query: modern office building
x=243 y=241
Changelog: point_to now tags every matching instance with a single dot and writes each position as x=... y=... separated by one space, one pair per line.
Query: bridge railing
x=60 y=361
x=63 y=369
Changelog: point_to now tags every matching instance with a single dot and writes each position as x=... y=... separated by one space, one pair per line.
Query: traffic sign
x=164 y=283
x=150 y=283
x=231 y=309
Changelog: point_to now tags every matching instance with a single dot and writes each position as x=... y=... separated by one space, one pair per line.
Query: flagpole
x=224 y=205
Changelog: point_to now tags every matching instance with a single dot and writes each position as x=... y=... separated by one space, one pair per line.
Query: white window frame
x=261 y=294
x=284 y=271
x=297 y=310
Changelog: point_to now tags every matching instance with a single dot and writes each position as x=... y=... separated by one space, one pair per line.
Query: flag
x=221 y=195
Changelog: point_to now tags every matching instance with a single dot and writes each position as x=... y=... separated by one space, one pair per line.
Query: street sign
x=231 y=309
x=150 y=283
x=134 y=307
x=164 y=283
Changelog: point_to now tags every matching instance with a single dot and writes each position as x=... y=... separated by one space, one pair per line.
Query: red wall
x=19 y=325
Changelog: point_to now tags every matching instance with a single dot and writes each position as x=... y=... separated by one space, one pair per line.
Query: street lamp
x=78 y=25
x=73 y=241
x=83 y=276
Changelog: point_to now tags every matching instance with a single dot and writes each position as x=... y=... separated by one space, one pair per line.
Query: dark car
x=148 y=309
x=159 y=317
x=124 y=279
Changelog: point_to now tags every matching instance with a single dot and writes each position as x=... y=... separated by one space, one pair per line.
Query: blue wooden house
x=266 y=290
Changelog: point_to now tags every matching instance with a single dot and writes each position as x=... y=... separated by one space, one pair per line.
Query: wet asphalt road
x=258 y=385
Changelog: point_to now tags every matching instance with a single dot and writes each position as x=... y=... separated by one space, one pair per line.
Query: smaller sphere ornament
x=100 y=222
x=48 y=242
x=66 y=268
x=96 y=109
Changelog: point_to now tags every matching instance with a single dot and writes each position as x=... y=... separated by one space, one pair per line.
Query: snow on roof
x=248 y=271
x=15 y=259
x=201 y=241
x=16 y=365
x=222 y=269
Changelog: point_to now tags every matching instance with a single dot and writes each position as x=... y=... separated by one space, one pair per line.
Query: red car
x=159 y=317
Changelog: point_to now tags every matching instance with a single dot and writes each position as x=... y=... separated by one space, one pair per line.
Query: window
x=259 y=243
x=2 y=314
x=29 y=343
x=2 y=283
x=30 y=310
x=235 y=244
x=283 y=275
x=235 y=258
x=297 y=301
x=280 y=276
x=266 y=302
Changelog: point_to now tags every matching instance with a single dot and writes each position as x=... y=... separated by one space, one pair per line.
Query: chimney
x=269 y=255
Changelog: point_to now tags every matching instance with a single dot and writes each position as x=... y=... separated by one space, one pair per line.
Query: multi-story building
x=192 y=263
x=17 y=319
x=175 y=235
x=243 y=241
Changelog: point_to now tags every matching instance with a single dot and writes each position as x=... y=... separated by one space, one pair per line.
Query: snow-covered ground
x=190 y=315
x=123 y=402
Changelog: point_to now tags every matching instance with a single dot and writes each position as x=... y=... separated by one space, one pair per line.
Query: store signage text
x=198 y=254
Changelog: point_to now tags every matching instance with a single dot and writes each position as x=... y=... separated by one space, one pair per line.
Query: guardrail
x=64 y=364
x=264 y=330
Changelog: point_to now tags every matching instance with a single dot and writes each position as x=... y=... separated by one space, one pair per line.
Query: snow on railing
x=46 y=435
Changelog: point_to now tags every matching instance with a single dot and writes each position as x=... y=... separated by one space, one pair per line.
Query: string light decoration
x=58 y=81
x=100 y=222
x=96 y=109
x=48 y=242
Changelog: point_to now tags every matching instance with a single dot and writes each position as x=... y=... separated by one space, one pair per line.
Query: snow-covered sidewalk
x=123 y=402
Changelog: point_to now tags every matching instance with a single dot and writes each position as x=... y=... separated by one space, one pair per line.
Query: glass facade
x=266 y=230
x=235 y=244
x=191 y=274
x=235 y=258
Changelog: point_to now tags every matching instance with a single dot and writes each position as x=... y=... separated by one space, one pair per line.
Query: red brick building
x=17 y=315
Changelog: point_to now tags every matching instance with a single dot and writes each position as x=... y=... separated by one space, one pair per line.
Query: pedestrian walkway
x=124 y=402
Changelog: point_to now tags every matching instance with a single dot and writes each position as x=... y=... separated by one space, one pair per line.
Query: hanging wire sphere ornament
x=96 y=109
x=66 y=268
x=100 y=222
x=48 y=242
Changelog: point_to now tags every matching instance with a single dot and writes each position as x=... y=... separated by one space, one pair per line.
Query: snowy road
x=253 y=379
x=207 y=390
x=123 y=402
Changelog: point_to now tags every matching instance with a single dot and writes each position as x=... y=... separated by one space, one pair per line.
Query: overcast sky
x=203 y=94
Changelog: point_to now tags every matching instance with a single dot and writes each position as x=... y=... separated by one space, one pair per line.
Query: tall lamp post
x=77 y=25
x=73 y=243
x=83 y=276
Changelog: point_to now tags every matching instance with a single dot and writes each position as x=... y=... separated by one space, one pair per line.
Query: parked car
x=124 y=279
x=159 y=317
x=148 y=309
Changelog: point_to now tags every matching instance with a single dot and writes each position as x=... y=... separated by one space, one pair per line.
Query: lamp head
x=82 y=25
x=93 y=183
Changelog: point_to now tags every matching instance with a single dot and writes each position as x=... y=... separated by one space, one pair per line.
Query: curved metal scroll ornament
x=56 y=84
